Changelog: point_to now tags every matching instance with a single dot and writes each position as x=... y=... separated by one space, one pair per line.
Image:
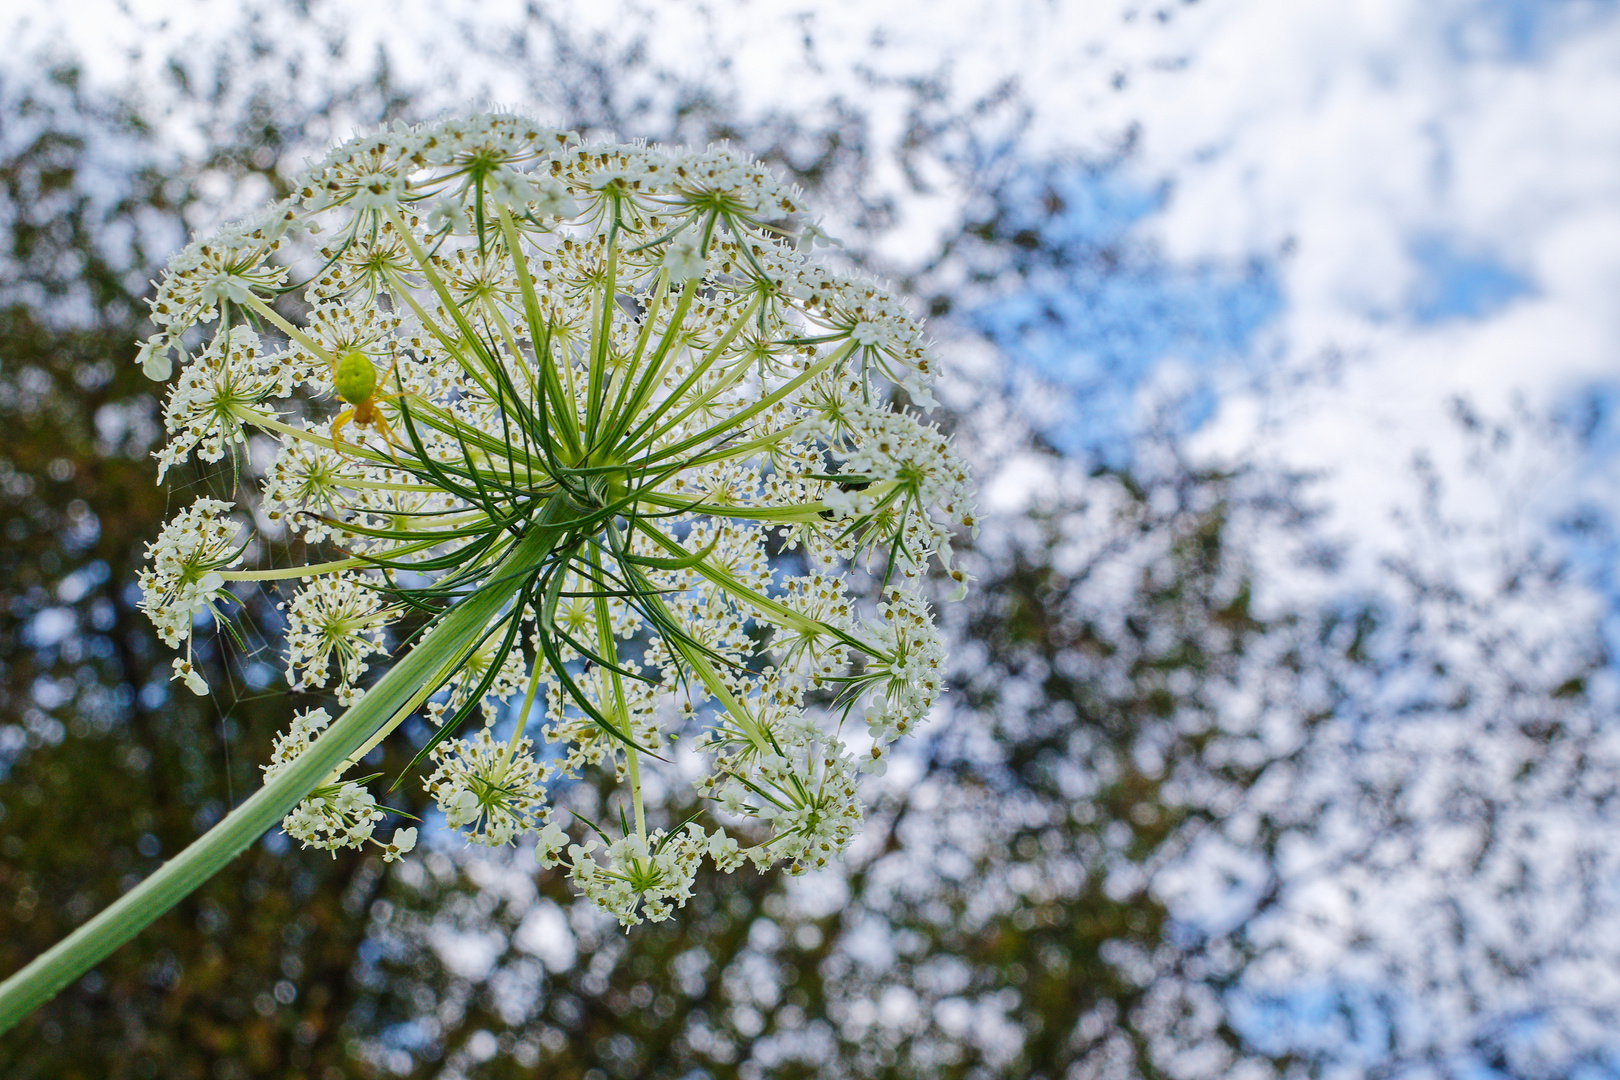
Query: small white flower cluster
x=337 y=616
x=229 y=266
x=905 y=674
x=910 y=476
x=185 y=579
x=630 y=357
x=334 y=815
x=645 y=877
x=204 y=411
x=802 y=786
x=492 y=791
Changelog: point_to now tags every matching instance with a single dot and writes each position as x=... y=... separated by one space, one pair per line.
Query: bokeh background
x=1281 y=737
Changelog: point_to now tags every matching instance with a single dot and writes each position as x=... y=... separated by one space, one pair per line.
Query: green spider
x=354 y=377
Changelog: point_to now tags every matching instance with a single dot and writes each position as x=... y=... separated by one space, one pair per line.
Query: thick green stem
x=175 y=879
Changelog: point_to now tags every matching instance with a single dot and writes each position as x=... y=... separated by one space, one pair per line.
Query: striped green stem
x=458 y=631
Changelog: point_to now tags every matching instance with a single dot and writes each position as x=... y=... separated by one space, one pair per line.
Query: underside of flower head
x=503 y=331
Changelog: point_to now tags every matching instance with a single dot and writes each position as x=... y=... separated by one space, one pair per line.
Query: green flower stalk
x=593 y=393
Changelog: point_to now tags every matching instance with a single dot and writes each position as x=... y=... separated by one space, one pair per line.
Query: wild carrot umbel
x=456 y=335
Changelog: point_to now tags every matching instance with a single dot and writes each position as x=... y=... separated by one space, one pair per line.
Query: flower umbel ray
x=622 y=346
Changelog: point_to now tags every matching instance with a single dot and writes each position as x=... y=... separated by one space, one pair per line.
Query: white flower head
x=306 y=727
x=183 y=578
x=490 y=791
x=209 y=407
x=336 y=814
x=557 y=410
x=340 y=618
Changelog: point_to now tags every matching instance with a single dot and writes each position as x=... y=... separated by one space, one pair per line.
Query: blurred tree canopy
x=1163 y=827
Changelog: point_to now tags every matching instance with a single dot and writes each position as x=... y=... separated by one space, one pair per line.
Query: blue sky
x=1455 y=283
x=1099 y=310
